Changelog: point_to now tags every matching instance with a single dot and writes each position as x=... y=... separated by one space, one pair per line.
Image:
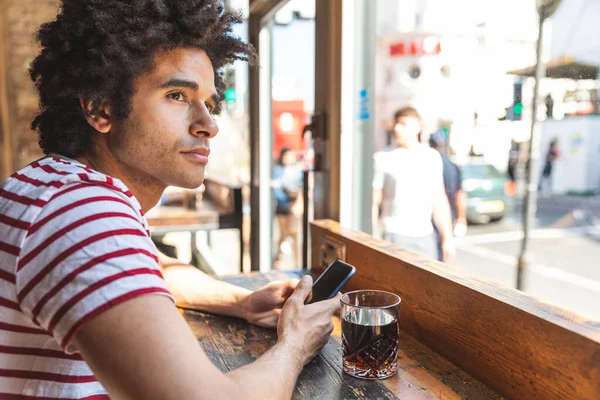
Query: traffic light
x=230 y=93
x=517 y=107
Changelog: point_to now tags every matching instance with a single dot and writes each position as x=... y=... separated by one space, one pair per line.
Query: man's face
x=165 y=139
x=407 y=129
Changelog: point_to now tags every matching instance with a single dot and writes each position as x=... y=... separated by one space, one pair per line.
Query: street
x=564 y=250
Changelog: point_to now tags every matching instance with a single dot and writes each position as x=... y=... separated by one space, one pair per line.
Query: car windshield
x=485 y=171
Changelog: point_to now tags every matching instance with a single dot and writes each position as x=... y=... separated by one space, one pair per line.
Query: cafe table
x=231 y=343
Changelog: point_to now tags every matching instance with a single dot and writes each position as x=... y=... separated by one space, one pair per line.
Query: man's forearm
x=442 y=217
x=283 y=365
x=461 y=205
x=193 y=288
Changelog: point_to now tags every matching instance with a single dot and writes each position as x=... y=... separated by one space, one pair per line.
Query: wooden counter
x=514 y=343
x=422 y=374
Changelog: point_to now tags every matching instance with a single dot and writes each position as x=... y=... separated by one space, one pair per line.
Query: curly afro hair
x=96 y=48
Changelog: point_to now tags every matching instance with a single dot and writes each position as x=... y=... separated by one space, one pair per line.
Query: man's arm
x=461 y=207
x=460 y=199
x=443 y=221
x=192 y=288
x=143 y=349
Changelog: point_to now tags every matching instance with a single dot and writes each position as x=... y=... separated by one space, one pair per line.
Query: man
x=128 y=90
x=455 y=194
x=553 y=154
x=408 y=191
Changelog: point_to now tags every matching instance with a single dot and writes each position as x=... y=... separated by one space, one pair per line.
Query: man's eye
x=210 y=108
x=177 y=96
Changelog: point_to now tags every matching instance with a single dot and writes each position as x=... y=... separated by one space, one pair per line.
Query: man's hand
x=263 y=306
x=306 y=327
x=460 y=227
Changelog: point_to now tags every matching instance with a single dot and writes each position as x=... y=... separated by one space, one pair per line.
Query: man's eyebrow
x=176 y=82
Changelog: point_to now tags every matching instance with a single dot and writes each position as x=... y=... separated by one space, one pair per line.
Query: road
x=564 y=248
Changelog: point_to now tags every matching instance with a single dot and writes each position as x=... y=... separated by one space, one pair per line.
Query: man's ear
x=98 y=117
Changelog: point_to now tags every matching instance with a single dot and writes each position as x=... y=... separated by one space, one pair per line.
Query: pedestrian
x=553 y=153
x=287 y=185
x=457 y=197
x=128 y=94
x=549 y=102
x=513 y=161
x=408 y=191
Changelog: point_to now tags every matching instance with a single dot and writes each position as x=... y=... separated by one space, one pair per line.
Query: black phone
x=331 y=281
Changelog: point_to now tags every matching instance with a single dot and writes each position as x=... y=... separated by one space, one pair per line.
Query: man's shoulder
x=51 y=182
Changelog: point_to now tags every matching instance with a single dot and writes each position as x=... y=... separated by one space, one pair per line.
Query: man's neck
x=146 y=190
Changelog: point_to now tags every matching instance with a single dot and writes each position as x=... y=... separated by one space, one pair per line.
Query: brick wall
x=22 y=19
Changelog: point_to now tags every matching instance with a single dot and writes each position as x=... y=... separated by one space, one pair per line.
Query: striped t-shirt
x=73 y=243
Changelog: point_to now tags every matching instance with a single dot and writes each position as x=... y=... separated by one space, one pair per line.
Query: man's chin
x=190 y=182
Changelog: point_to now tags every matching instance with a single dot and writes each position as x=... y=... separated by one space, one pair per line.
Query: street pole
x=545 y=9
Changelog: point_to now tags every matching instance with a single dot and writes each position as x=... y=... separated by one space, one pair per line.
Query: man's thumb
x=304 y=287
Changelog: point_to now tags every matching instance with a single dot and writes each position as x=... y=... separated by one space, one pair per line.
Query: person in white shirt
x=408 y=191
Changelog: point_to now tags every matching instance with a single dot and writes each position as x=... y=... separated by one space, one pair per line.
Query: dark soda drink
x=369 y=343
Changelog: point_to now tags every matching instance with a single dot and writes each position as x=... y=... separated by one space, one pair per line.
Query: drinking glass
x=370 y=333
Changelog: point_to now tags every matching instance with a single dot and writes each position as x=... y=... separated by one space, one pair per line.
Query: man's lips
x=200 y=150
x=199 y=154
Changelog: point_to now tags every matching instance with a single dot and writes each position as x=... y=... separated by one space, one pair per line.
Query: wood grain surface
x=422 y=374
x=519 y=346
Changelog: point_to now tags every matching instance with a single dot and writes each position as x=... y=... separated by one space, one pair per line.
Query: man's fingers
x=304 y=288
x=335 y=301
x=337 y=306
x=288 y=287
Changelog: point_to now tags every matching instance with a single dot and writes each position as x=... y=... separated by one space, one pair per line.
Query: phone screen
x=331 y=281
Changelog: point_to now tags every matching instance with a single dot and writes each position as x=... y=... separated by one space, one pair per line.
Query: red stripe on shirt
x=21 y=329
x=60 y=160
x=22 y=199
x=49 y=169
x=89 y=184
x=95 y=286
x=34 y=351
x=15 y=223
x=10 y=396
x=106 y=306
x=7 y=276
x=106 y=183
x=46 y=376
x=73 y=249
x=67 y=279
x=35 y=182
x=9 y=248
x=9 y=304
x=58 y=234
x=71 y=206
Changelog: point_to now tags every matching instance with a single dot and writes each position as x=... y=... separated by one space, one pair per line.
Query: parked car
x=487 y=192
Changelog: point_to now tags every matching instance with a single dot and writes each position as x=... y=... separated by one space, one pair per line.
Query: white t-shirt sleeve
x=86 y=252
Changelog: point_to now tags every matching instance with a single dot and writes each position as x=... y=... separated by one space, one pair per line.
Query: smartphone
x=331 y=281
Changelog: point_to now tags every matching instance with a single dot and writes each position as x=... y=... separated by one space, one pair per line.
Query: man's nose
x=204 y=124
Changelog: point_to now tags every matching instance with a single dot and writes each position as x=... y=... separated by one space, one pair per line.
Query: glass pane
x=292 y=105
x=454 y=104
